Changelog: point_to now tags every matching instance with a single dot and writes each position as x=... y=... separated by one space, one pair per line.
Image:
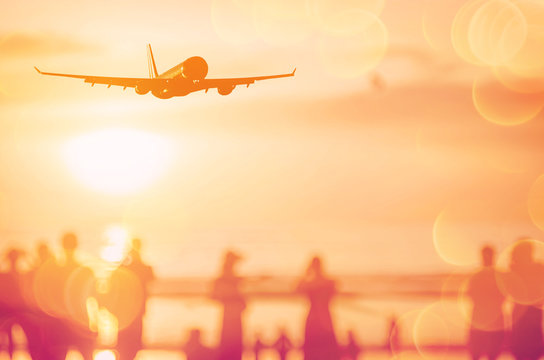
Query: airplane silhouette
x=182 y=79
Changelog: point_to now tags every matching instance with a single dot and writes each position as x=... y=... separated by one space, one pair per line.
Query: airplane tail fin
x=151 y=63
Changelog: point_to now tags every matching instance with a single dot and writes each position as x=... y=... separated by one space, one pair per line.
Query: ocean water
x=421 y=322
x=363 y=305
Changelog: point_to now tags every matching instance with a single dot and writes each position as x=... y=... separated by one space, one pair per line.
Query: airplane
x=183 y=79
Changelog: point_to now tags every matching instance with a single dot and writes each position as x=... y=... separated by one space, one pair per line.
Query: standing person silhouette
x=133 y=276
x=392 y=338
x=47 y=295
x=194 y=349
x=39 y=324
x=526 y=287
x=258 y=346
x=282 y=345
x=76 y=284
x=226 y=291
x=487 y=324
x=352 y=349
x=319 y=338
x=11 y=299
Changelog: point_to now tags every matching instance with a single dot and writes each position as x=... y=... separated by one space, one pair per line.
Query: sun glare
x=105 y=355
x=117 y=161
x=117 y=239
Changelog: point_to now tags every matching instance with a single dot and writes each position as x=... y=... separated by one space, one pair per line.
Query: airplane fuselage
x=194 y=68
x=180 y=80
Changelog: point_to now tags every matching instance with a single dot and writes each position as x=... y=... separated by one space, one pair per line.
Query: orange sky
x=357 y=168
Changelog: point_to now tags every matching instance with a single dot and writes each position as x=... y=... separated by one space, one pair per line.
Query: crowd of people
x=53 y=304
x=320 y=342
x=522 y=286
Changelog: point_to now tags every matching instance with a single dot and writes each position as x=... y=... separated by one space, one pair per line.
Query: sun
x=118 y=161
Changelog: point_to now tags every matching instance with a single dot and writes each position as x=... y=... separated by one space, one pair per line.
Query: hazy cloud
x=33 y=44
x=426 y=58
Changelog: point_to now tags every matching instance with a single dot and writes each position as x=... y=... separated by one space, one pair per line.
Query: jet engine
x=141 y=90
x=194 y=68
x=225 y=90
x=163 y=93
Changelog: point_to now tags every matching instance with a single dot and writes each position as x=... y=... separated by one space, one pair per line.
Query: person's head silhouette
x=488 y=256
x=315 y=269
x=44 y=253
x=195 y=335
x=69 y=245
x=522 y=253
x=12 y=256
x=230 y=261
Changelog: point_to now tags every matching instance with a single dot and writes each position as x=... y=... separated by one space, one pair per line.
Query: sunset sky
x=389 y=145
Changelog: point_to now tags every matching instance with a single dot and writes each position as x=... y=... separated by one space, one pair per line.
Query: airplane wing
x=117 y=81
x=205 y=84
x=229 y=82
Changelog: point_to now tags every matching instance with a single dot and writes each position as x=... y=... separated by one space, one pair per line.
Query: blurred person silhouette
x=39 y=324
x=486 y=333
x=352 y=349
x=194 y=349
x=282 y=345
x=130 y=285
x=392 y=339
x=258 y=346
x=526 y=286
x=226 y=290
x=46 y=297
x=12 y=306
x=319 y=338
x=75 y=284
x=44 y=253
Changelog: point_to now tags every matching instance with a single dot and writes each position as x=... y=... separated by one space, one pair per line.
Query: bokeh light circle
x=454 y=306
x=460 y=31
x=462 y=228
x=422 y=328
x=437 y=20
x=529 y=62
x=518 y=83
x=529 y=59
x=430 y=327
x=125 y=296
x=533 y=10
x=404 y=327
x=503 y=106
x=497 y=32
x=354 y=43
x=47 y=291
x=79 y=286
